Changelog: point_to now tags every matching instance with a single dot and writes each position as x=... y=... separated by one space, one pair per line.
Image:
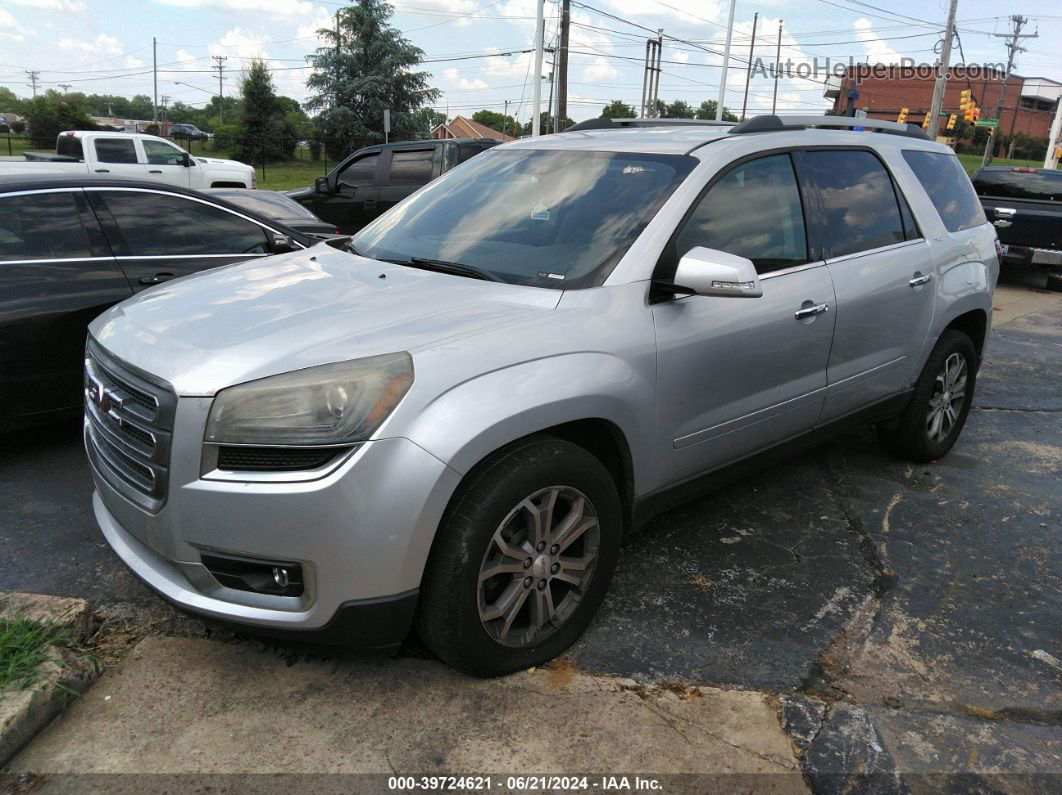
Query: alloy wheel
x=949 y=395
x=538 y=565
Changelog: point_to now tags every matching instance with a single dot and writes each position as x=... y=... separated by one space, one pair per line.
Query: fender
x=962 y=288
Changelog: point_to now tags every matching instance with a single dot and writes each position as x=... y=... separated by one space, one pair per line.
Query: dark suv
x=187 y=132
x=376 y=178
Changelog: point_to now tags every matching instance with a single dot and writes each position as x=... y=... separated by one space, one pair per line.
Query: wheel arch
x=974 y=324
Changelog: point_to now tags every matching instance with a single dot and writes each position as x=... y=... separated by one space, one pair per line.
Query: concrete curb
x=63 y=674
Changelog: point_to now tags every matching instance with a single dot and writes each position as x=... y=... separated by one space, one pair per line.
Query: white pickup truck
x=131 y=156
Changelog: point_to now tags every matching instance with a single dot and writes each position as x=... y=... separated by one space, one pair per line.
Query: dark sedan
x=275 y=205
x=72 y=247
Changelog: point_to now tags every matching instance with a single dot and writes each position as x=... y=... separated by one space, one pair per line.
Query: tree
x=9 y=102
x=707 y=108
x=425 y=120
x=49 y=115
x=679 y=109
x=497 y=122
x=545 y=127
x=367 y=67
x=264 y=133
x=618 y=109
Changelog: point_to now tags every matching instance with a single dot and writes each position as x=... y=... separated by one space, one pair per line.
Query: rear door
x=56 y=276
x=882 y=271
x=406 y=170
x=158 y=236
x=165 y=163
x=117 y=156
x=353 y=204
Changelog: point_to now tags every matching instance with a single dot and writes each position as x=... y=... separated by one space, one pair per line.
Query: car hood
x=272 y=315
x=217 y=162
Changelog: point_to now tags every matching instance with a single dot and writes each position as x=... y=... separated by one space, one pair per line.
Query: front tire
x=936 y=414
x=523 y=559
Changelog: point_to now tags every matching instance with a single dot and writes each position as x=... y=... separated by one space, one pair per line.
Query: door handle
x=154 y=170
x=1001 y=223
x=1006 y=212
x=920 y=279
x=103 y=171
x=158 y=278
x=811 y=311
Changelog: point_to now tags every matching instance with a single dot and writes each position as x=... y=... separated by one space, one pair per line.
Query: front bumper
x=361 y=533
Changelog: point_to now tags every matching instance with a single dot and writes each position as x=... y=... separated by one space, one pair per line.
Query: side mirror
x=706 y=271
x=321 y=185
x=188 y=162
x=282 y=244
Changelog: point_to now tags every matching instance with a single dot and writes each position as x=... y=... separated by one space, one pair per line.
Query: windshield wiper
x=445 y=266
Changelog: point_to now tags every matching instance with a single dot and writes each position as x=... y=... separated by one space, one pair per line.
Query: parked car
x=71 y=247
x=453 y=424
x=187 y=132
x=374 y=179
x=130 y=156
x=278 y=207
x=1025 y=206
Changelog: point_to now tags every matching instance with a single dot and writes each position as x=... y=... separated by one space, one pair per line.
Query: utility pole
x=505 y=119
x=220 y=59
x=1013 y=48
x=536 y=91
x=33 y=76
x=942 y=73
x=549 y=104
x=726 y=63
x=66 y=87
x=155 y=79
x=777 y=67
x=562 y=66
x=748 y=73
x=165 y=99
x=339 y=42
x=651 y=75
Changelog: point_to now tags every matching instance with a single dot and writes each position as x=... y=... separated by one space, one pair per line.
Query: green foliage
x=707 y=111
x=618 y=109
x=48 y=116
x=545 y=123
x=679 y=109
x=497 y=121
x=264 y=131
x=425 y=120
x=23 y=647
x=226 y=138
x=367 y=67
x=10 y=103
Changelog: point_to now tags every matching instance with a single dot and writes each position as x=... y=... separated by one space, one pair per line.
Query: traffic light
x=975 y=114
x=951 y=121
x=902 y=117
x=969 y=111
x=925 y=122
x=965 y=100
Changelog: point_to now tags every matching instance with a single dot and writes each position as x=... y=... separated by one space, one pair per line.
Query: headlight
x=329 y=404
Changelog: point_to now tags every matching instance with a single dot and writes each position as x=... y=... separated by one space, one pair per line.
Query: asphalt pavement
x=906 y=619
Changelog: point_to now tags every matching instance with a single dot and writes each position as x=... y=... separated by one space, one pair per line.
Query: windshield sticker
x=548 y=275
x=539 y=213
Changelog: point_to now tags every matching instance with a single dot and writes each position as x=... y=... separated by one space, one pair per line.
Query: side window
x=948 y=187
x=412 y=167
x=859 y=202
x=361 y=173
x=160 y=154
x=153 y=224
x=910 y=226
x=467 y=151
x=41 y=226
x=754 y=211
x=115 y=150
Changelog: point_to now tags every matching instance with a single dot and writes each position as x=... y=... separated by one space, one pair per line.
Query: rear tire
x=523 y=559
x=935 y=416
x=1054 y=282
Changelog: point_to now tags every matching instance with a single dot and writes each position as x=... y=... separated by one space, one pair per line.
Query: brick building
x=1028 y=106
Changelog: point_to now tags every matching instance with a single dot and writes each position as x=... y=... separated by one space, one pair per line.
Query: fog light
x=280 y=576
x=257 y=576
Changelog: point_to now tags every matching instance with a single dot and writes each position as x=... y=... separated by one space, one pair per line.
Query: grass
x=292 y=174
x=23 y=647
x=973 y=162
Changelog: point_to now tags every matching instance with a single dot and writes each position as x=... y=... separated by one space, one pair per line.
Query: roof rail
x=768 y=123
x=603 y=123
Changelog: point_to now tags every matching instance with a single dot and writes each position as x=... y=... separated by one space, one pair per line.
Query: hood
x=259 y=318
x=217 y=161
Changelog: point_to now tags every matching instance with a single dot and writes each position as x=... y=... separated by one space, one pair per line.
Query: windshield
x=543 y=218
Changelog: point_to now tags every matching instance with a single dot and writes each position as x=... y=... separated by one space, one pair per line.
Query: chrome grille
x=128 y=427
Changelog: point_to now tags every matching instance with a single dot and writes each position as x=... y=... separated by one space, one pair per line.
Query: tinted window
x=1018 y=183
x=155 y=224
x=268 y=203
x=115 y=150
x=466 y=151
x=754 y=211
x=69 y=146
x=948 y=187
x=411 y=168
x=910 y=226
x=41 y=226
x=540 y=217
x=859 y=202
x=160 y=154
x=361 y=173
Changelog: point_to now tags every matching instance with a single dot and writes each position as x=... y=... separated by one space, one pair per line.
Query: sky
x=475 y=49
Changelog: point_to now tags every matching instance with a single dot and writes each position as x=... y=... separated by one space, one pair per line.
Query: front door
x=117 y=157
x=353 y=204
x=882 y=271
x=165 y=163
x=407 y=170
x=737 y=375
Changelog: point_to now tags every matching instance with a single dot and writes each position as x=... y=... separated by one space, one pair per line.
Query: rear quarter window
x=950 y=190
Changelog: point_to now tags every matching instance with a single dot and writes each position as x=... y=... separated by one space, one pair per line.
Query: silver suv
x=452 y=423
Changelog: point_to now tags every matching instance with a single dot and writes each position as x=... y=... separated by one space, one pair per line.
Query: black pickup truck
x=1025 y=205
x=376 y=178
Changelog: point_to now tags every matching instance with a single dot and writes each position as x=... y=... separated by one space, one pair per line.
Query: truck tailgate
x=1034 y=224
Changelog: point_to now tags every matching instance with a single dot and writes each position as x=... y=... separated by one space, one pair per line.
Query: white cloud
x=454 y=77
x=279 y=8
x=132 y=62
x=322 y=19
x=678 y=55
x=102 y=44
x=9 y=27
x=599 y=71
x=688 y=11
x=187 y=61
x=514 y=67
x=877 y=51
x=51 y=5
